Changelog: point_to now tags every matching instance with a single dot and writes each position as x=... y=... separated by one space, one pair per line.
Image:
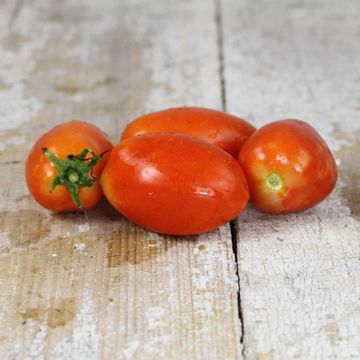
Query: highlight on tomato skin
x=289 y=167
x=212 y=126
x=78 y=149
x=174 y=184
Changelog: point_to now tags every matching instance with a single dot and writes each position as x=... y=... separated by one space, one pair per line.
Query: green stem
x=74 y=172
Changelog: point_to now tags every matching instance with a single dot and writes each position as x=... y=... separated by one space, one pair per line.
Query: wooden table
x=99 y=287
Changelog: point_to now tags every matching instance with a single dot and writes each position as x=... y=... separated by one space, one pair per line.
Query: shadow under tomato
x=349 y=170
x=126 y=243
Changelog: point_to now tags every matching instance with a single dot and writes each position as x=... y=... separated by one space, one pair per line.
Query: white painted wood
x=300 y=274
x=121 y=290
x=98 y=287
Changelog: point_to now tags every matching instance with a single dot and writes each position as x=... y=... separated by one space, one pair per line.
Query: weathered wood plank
x=299 y=274
x=76 y=287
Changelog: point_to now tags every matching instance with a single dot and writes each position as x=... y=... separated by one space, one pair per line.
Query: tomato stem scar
x=73 y=177
x=74 y=172
x=275 y=182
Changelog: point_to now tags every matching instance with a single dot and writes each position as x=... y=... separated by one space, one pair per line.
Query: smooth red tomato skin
x=174 y=184
x=214 y=127
x=293 y=150
x=68 y=138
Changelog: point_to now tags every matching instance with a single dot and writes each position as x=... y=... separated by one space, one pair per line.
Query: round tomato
x=288 y=166
x=174 y=184
x=63 y=165
x=215 y=127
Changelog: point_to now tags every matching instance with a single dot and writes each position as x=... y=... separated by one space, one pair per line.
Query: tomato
x=174 y=184
x=63 y=165
x=215 y=127
x=288 y=166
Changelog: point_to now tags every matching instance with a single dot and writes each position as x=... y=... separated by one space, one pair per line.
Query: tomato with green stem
x=174 y=184
x=288 y=166
x=64 y=164
x=212 y=126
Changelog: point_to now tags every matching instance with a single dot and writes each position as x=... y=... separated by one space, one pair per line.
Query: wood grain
x=97 y=286
x=299 y=274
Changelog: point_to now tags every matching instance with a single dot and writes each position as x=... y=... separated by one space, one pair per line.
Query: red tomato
x=215 y=127
x=71 y=179
x=288 y=166
x=174 y=184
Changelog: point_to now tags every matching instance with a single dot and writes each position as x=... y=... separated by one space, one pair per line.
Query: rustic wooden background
x=99 y=287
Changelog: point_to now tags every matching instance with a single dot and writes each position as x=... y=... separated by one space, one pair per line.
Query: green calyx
x=74 y=172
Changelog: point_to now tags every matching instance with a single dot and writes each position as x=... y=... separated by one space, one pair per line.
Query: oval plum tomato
x=288 y=166
x=63 y=165
x=174 y=184
x=215 y=127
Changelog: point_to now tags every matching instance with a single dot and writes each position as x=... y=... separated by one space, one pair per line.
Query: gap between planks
x=15 y=13
x=233 y=224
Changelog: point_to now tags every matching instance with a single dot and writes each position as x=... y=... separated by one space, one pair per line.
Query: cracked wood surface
x=98 y=287
x=299 y=274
